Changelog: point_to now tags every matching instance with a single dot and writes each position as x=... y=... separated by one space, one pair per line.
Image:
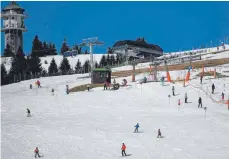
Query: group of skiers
x=136 y=130
x=38 y=83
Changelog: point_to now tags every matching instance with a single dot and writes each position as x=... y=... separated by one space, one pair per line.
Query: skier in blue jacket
x=136 y=127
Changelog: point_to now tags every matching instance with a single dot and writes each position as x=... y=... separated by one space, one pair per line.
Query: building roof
x=13 y=6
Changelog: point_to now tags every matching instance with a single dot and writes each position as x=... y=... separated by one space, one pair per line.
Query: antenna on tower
x=90 y=42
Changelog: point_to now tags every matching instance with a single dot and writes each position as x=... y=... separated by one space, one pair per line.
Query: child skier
x=28 y=113
x=36 y=151
x=186 y=97
x=159 y=133
x=200 y=102
x=123 y=149
x=213 y=88
x=173 y=89
x=136 y=127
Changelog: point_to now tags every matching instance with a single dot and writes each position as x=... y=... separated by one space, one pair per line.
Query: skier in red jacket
x=123 y=149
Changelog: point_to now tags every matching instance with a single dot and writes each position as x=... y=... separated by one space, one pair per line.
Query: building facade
x=13 y=26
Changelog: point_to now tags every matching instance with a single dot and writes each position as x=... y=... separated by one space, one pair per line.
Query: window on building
x=12 y=17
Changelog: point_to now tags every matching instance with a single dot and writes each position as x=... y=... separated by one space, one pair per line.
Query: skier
x=136 y=127
x=173 y=89
x=222 y=96
x=52 y=91
x=36 y=151
x=30 y=86
x=159 y=133
x=186 y=97
x=38 y=84
x=213 y=88
x=88 y=87
x=123 y=149
x=67 y=89
x=200 y=102
x=28 y=113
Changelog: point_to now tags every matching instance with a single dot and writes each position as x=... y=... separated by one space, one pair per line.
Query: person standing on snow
x=123 y=149
x=67 y=89
x=159 y=133
x=31 y=86
x=88 y=87
x=222 y=96
x=36 y=151
x=201 y=78
x=200 y=102
x=186 y=98
x=114 y=81
x=173 y=89
x=52 y=91
x=213 y=88
x=136 y=127
x=28 y=113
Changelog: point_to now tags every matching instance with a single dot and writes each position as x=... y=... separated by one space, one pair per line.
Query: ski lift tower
x=90 y=42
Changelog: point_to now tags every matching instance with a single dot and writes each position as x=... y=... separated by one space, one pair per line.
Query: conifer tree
x=53 y=67
x=65 y=66
x=78 y=66
x=103 y=61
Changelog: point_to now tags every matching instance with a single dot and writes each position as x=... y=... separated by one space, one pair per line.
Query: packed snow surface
x=93 y=125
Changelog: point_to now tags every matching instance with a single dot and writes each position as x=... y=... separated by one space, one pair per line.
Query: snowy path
x=93 y=125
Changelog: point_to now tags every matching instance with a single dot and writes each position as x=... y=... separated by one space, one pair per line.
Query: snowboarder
x=31 y=86
x=213 y=88
x=36 y=151
x=173 y=89
x=136 y=127
x=38 y=84
x=200 y=102
x=222 y=96
x=52 y=91
x=186 y=98
x=123 y=149
x=88 y=87
x=67 y=89
x=28 y=113
x=159 y=133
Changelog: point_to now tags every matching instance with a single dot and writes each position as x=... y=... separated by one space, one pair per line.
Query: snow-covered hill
x=93 y=125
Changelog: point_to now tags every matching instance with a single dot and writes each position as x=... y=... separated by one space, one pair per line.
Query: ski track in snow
x=93 y=125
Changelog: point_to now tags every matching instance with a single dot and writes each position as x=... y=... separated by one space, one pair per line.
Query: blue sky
x=171 y=25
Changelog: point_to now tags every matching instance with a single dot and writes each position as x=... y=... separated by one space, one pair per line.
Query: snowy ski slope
x=93 y=125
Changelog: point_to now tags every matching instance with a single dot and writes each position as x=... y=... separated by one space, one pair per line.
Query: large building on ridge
x=137 y=49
